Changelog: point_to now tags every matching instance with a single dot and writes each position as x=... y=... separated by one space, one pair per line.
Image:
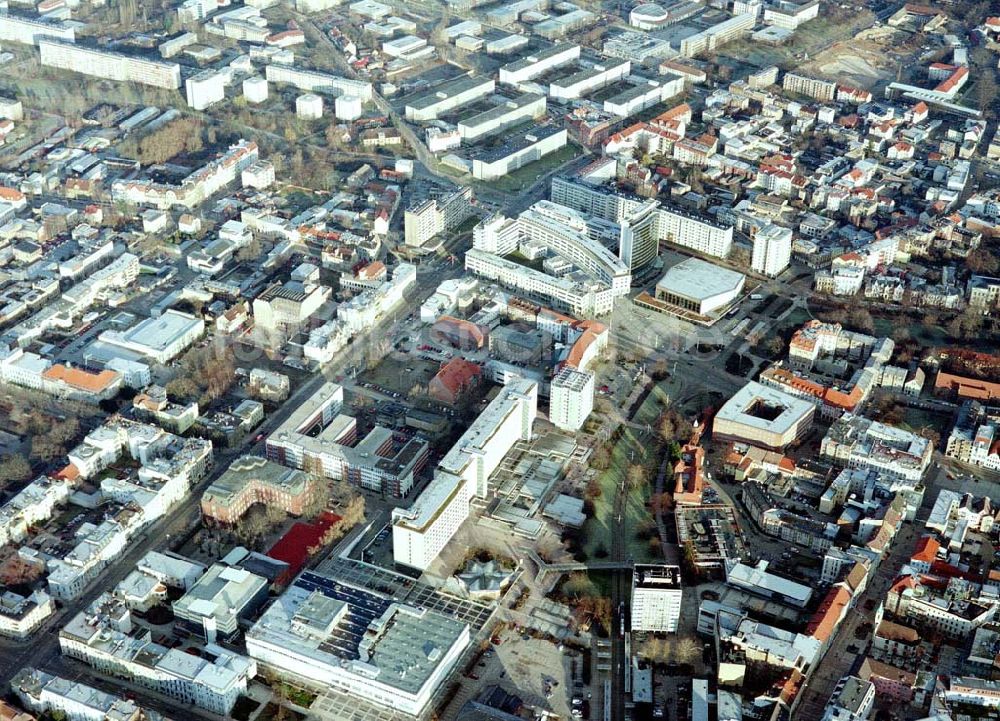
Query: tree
x=637 y=475
x=740 y=256
x=982 y=262
x=14 y=467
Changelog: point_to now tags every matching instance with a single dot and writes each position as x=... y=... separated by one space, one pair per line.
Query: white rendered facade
x=571 y=399
x=538 y=63
x=656 y=598
x=448 y=96
x=205 y=88
x=29 y=31
x=589 y=79
x=317 y=82
x=772 y=250
x=584 y=298
x=108 y=65
x=533 y=146
x=421 y=531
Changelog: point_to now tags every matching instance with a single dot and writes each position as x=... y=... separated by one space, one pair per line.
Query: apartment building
x=499 y=118
x=448 y=96
x=517 y=152
x=29 y=31
x=772 y=250
x=313 y=81
x=422 y=530
x=823 y=90
x=571 y=399
x=425 y=220
x=109 y=65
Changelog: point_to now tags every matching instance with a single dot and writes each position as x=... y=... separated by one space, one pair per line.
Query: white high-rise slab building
x=772 y=250
x=571 y=399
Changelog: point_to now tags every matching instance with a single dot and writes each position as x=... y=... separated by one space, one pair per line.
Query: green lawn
x=598 y=530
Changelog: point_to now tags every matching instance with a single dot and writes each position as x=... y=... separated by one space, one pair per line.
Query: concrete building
x=309 y=106
x=578 y=294
x=672 y=224
x=319 y=439
x=496 y=120
x=656 y=598
x=285 y=308
x=329 y=635
x=571 y=399
x=312 y=81
x=823 y=90
x=518 y=152
x=255 y=89
x=538 y=63
x=348 y=107
x=250 y=480
x=699 y=287
x=29 y=31
x=772 y=250
x=448 y=96
x=428 y=219
x=717 y=35
x=159 y=339
x=218 y=600
x=422 y=530
x=586 y=80
x=763 y=417
x=205 y=88
x=109 y=65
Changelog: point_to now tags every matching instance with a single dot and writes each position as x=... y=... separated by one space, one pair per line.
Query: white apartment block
x=421 y=531
x=17 y=29
x=772 y=250
x=531 y=66
x=448 y=96
x=672 y=224
x=497 y=234
x=109 y=65
x=656 y=598
x=696 y=232
x=437 y=215
x=583 y=298
x=790 y=15
x=571 y=399
x=813 y=87
x=501 y=117
x=589 y=79
x=718 y=35
x=205 y=88
x=313 y=81
x=518 y=152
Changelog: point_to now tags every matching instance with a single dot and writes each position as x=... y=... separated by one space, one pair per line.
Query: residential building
x=432 y=217
x=571 y=398
x=772 y=250
x=656 y=598
x=422 y=530
x=109 y=65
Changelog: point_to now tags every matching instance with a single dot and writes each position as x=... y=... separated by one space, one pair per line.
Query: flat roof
x=508 y=106
x=738 y=408
x=446 y=90
x=699 y=280
x=158 y=334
